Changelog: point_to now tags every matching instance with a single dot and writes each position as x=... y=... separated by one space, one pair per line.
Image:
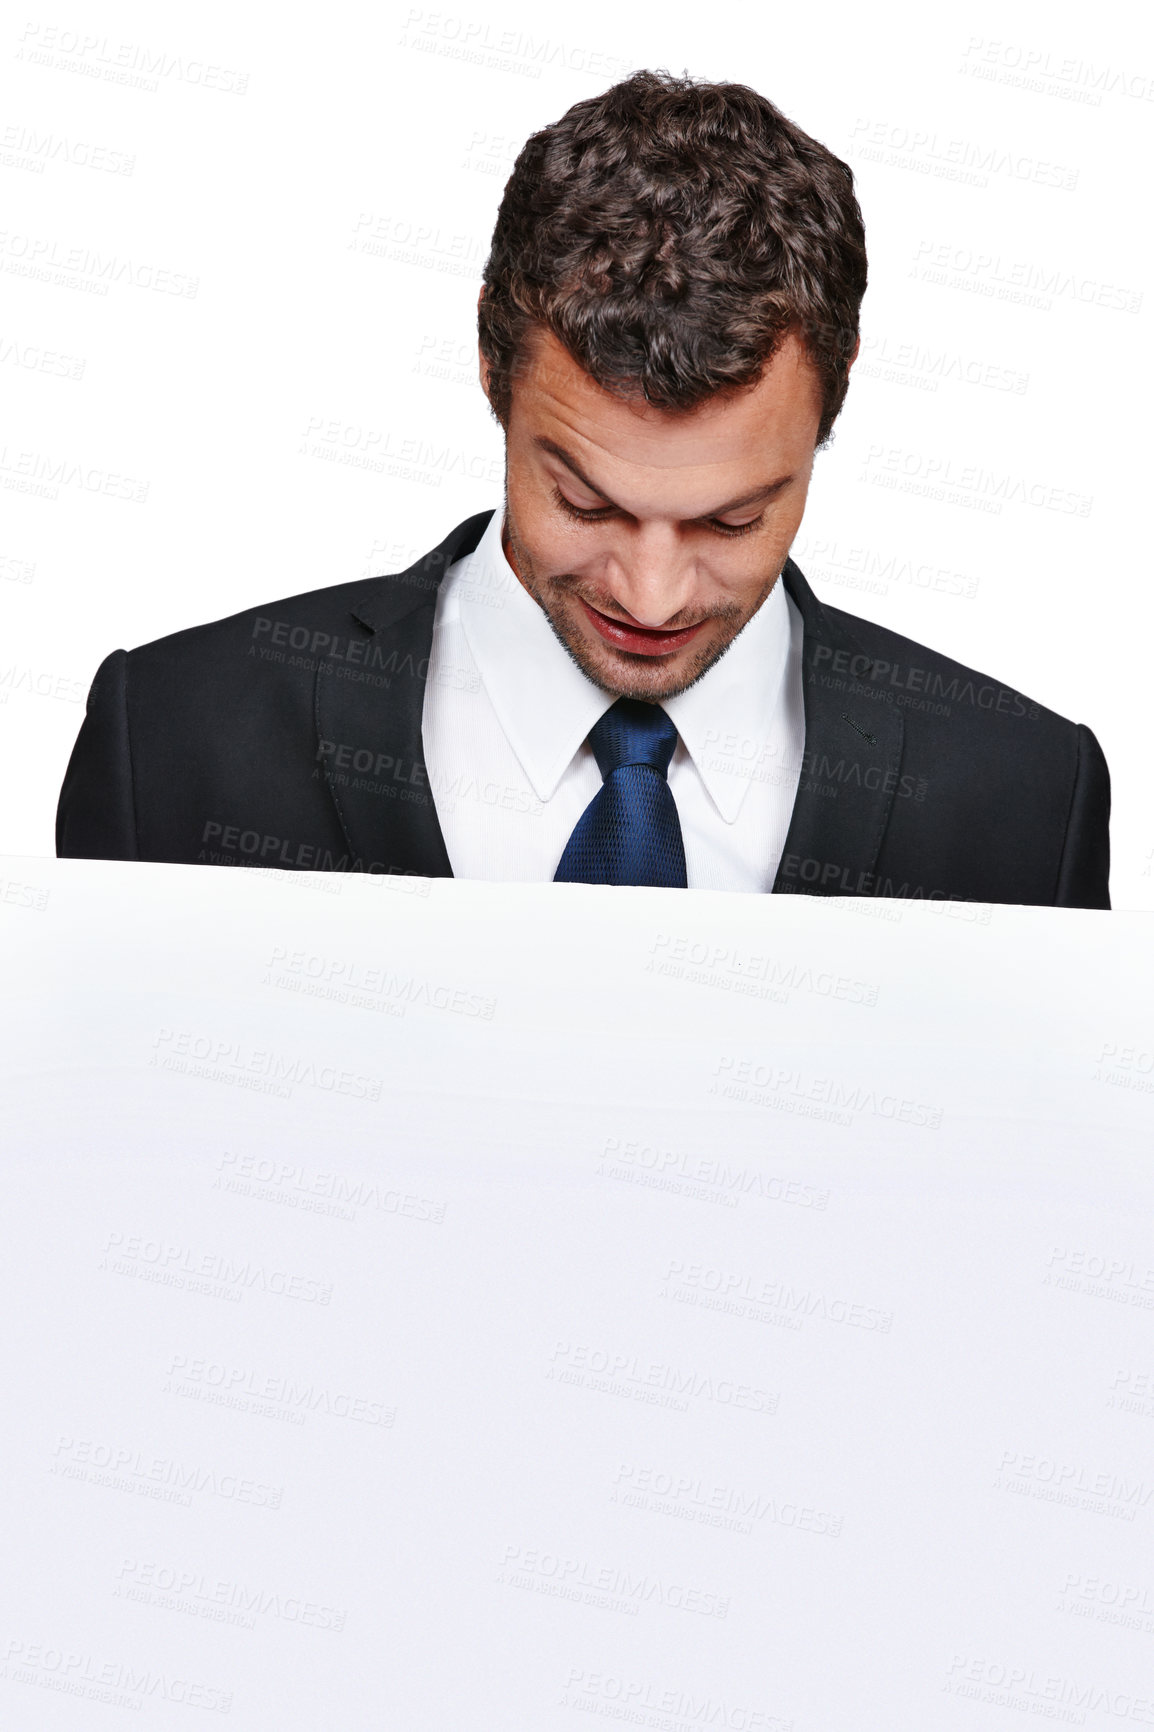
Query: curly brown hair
x=670 y=232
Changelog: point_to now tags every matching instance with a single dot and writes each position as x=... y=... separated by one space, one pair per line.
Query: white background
x=248 y=158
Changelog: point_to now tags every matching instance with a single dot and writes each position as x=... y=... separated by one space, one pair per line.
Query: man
x=621 y=678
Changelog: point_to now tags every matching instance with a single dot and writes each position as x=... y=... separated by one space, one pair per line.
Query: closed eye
x=604 y=511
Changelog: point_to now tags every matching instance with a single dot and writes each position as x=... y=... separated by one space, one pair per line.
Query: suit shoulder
x=292 y=621
x=886 y=661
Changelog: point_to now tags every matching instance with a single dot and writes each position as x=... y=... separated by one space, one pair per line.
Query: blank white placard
x=442 y=1305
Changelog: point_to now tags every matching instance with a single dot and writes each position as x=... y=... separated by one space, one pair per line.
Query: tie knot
x=633 y=733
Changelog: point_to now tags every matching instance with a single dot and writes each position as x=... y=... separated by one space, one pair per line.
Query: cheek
x=534 y=513
x=554 y=545
x=742 y=580
x=747 y=589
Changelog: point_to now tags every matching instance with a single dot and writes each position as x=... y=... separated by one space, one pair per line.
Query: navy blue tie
x=630 y=832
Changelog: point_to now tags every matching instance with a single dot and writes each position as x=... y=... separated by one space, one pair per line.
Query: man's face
x=650 y=537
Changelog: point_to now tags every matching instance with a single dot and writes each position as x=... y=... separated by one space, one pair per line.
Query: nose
x=651 y=576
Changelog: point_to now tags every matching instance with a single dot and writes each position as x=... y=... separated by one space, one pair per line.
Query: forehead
x=554 y=396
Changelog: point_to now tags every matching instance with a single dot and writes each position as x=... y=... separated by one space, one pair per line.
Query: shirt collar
x=546 y=705
x=730 y=721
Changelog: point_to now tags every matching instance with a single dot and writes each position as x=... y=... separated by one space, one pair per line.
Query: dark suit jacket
x=290 y=736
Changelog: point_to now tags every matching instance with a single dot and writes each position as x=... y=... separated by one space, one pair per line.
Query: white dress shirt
x=507 y=713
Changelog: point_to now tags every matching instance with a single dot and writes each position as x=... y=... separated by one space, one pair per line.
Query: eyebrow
x=752 y=498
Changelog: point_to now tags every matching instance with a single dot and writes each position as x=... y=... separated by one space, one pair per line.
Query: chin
x=647 y=678
x=650 y=679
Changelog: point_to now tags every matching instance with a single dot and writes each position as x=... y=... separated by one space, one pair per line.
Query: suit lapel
x=368 y=726
x=853 y=745
x=372 y=756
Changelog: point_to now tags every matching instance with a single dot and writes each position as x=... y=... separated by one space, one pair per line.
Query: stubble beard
x=616 y=671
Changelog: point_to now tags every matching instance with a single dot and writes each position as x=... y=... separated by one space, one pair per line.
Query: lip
x=639 y=640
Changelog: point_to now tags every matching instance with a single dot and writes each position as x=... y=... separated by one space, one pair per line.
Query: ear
x=854 y=356
x=483 y=365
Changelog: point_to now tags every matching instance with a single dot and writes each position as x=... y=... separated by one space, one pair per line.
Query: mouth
x=639 y=640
